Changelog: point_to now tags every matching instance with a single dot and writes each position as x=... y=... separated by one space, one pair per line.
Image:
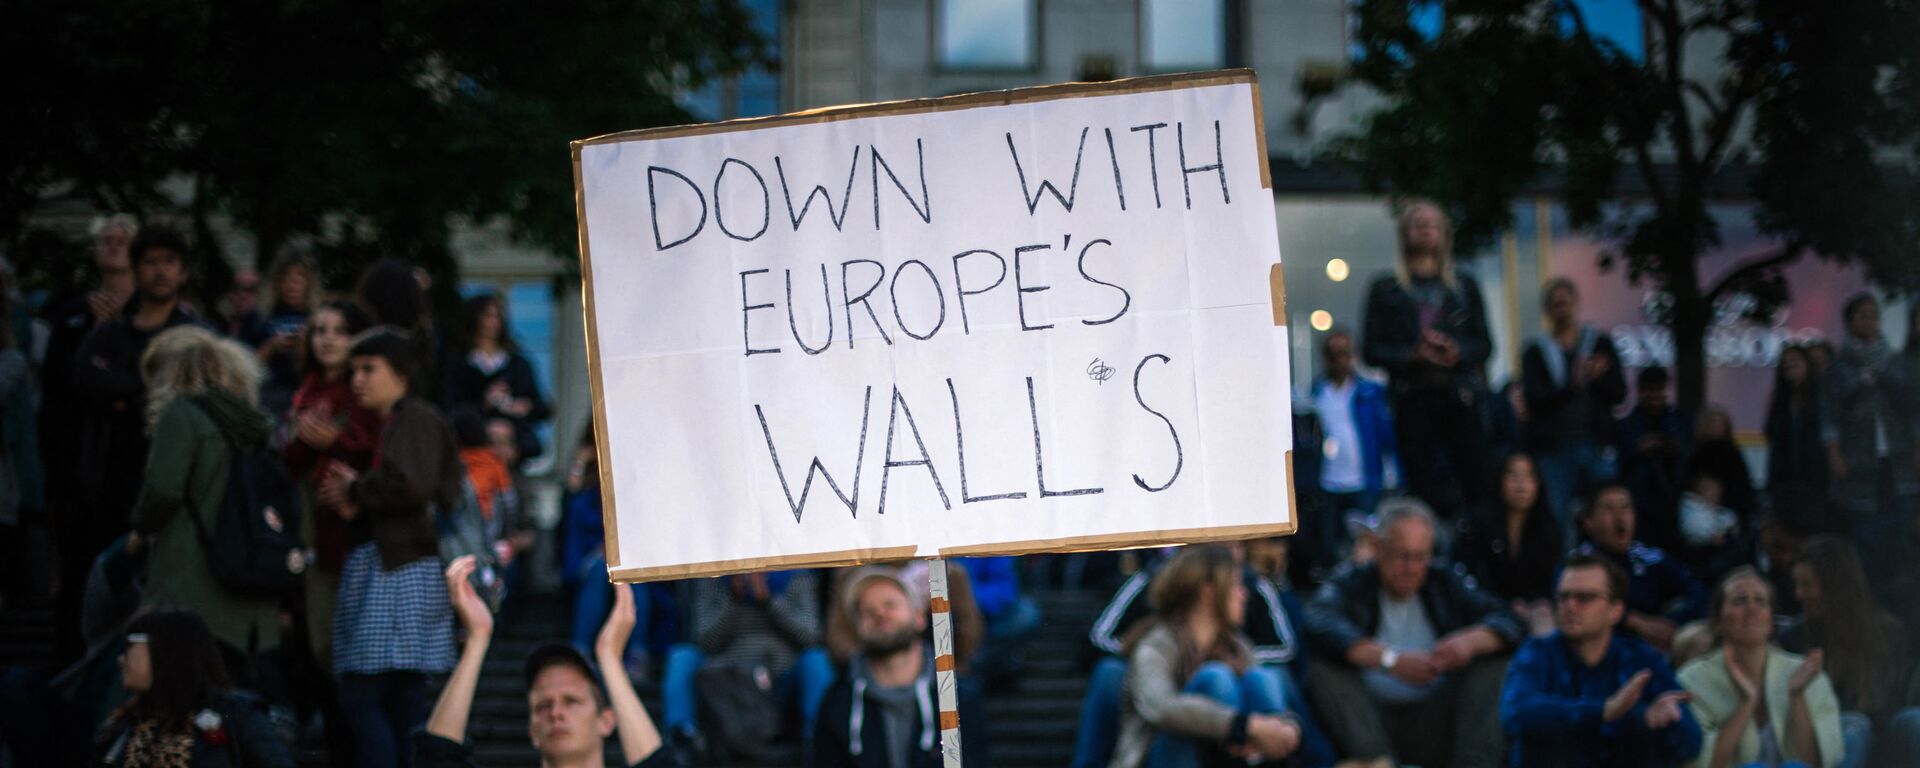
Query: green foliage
x=364 y=126
x=1809 y=108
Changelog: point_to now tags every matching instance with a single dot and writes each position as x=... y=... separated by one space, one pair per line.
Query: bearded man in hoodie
x=883 y=711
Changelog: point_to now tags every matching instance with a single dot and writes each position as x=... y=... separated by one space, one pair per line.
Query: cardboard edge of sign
x=960 y=101
x=1069 y=544
x=1276 y=282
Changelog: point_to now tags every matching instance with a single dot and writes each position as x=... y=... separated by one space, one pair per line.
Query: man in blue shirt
x=1588 y=697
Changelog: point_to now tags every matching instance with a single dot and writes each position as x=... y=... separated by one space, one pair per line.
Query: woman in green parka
x=203 y=394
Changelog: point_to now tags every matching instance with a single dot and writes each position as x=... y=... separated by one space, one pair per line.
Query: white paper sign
x=1030 y=321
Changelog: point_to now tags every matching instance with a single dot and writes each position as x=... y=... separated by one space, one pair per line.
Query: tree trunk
x=1689 y=326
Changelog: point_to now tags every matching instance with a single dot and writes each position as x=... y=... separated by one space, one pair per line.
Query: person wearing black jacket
x=108 y=392
x=1410 y=657
x=392 y=625
x=1573 y=381
x=883 y=711
x=1514 y=549
x=1796 y=454
x=572 y=707
x=488 y=374
x=1427 y=326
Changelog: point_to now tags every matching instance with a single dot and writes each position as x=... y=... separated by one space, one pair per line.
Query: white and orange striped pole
x=949 y=698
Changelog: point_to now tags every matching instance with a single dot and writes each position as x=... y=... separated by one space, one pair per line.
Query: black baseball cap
x=551 y=654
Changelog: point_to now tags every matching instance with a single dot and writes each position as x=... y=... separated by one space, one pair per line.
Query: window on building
x=1610 y=21
x=1182 y=35
x=987 y=34
x=753 y=93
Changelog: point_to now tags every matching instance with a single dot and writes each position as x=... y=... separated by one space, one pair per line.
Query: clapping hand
x=104 y=305
x=1623 y=700
x=315 y=427
x=467 y=604
x=1749 y=690
x=1665 y=710
x=333 y=490
x=1808 y=671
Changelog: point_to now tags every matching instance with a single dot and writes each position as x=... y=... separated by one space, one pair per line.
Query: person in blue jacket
x=1589 y=697
x=1358 y=454
x=1661 y=595
x=1011 y=619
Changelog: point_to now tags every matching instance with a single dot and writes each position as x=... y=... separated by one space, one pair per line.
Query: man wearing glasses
x=1411 y=653
x=1588 y=697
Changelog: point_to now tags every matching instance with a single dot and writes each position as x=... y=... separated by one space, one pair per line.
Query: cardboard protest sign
x=1034 y=320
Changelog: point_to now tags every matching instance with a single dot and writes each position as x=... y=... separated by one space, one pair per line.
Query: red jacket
x=359 y=437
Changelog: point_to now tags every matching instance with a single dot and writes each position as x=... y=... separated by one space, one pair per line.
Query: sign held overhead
x=1004 y=323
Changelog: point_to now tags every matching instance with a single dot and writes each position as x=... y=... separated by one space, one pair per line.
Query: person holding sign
x=571 y=708
x=1193 y=686
x=881 y=711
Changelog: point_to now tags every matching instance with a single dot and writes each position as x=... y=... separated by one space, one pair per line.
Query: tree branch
x=1787 y=254
x=1672 y=47
x=1706 y=97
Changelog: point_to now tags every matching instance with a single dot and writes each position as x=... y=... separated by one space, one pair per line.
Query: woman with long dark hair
x=326 y=426
x=1515 y=548
x=488 y=374
x=1865 y=647
x=393 y=627
x=182 y=712
x=1193 y=688
x=1795 y=453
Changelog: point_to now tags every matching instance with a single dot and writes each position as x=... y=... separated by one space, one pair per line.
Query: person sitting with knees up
x=1411 y=654
x=1588 y=696
x=572 y=708
x=1193 y=686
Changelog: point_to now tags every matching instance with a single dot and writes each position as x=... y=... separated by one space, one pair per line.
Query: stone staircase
x=1030 y=726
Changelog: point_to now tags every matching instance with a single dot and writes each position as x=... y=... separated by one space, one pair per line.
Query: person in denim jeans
x=1193 y=689
x=769 y=620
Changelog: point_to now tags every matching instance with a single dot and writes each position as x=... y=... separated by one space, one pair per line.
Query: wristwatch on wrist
x=1388 y=658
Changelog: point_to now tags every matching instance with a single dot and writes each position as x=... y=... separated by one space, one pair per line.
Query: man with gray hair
x=63 y=415
x=1413 y=653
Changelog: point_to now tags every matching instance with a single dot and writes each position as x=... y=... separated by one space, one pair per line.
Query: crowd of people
x=1564 y=571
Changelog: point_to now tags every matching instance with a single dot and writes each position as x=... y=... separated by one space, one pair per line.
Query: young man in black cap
x=570 y=711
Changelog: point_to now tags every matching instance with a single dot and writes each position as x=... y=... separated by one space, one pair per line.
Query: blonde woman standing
x=202 y=404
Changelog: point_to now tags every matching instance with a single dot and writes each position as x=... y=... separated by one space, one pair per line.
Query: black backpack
x=255 y=547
